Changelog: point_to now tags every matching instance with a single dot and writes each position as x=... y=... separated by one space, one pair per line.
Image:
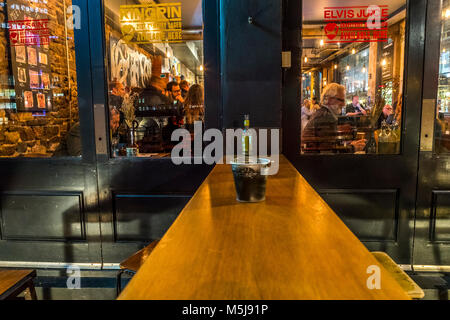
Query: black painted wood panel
x=42 y=217
x=251 y=62
x=372 y=215
x=143 y=218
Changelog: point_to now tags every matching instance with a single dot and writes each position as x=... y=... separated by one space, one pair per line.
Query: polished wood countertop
x=292 y=246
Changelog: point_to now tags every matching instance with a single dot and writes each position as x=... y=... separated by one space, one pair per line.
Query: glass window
x=442 y=132
x=38 y=82
x=155 y=73
x=352 y=83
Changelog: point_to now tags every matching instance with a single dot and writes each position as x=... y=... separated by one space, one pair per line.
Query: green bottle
x=246 y=139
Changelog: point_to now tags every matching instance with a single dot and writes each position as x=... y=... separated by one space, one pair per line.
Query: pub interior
x=373 y=101
x=92 y=205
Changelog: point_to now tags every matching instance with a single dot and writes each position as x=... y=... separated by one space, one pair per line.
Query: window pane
x=442 y=132
x=155 y=73
x=352 y=82
x=38 y=82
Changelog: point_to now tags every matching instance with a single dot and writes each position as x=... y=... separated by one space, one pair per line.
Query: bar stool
x=14 y=282
x=132 y=264
x=407 y=284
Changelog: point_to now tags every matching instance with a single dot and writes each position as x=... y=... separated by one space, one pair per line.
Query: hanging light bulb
x=353 y=51
x=321 y=42
x=168 y=54
x=383 y=62
x=347 y=68
x=325 y=83
x=201 y=68
x=306 y=59
x=309 y=73
x=447 y=13
x=364 y=69
x=335 y=66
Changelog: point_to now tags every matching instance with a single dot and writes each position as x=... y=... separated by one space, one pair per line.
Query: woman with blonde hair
x=194 y=109
x=307 y=112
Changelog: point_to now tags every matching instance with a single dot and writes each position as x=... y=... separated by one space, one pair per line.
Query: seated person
x=184 y=85
x=387 y=115
x=153 y=94
x=117 y=92
x=71 y=145
x=314 y=104
x=354 y=108
x=321 y=132
x=174 y=90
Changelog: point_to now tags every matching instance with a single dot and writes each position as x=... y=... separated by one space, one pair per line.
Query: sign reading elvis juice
x=149 y=23
x=356 y=24
x=29 y=36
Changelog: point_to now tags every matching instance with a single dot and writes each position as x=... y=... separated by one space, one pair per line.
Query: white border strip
x=116 y=266
x=49 y=265
x=428 y=268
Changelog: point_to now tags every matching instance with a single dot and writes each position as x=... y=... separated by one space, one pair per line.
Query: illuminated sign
x=29 y=32
x=356 y=24
x=149 y=23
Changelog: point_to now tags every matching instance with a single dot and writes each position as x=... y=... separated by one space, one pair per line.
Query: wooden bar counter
x=292 y=246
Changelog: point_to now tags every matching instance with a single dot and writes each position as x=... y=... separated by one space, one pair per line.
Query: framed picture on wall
x=21 y=55
x=45 y=81
x=41 y=100
x=43 y=58
x=32 y=57
x=22 y=75
x=28 y=98
x=34 y=80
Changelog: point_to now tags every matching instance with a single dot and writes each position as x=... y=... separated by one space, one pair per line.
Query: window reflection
x=356 y=75
x=442 y=130
x=155 y=87
x=38 y=81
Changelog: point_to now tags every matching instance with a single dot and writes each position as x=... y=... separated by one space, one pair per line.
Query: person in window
x=321 y=132
x=175 y=93
x=354 y=108
x=153 y=95
x=307 y=112
x=315 y=104
x=387 y=115
x=194 y=109
x=184 y=85
x=71 y=145
x=117 y=92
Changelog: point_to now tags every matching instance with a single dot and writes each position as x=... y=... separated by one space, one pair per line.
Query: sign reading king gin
x=356 y=24
x=149 y=23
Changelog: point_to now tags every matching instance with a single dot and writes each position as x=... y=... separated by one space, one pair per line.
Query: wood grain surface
x=10 y=279
x=292 y=246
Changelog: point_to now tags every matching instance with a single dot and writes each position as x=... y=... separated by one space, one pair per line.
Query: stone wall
x=21 y=134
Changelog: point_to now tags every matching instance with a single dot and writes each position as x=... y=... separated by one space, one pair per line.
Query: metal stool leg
x=119 y=282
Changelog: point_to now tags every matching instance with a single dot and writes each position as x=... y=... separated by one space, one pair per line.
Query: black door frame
x=337 y=172
x=155 y=182
x=433 y=194
x=72 y=177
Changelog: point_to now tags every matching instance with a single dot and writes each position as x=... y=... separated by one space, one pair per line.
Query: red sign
x=356 y=24
x=29 y=32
